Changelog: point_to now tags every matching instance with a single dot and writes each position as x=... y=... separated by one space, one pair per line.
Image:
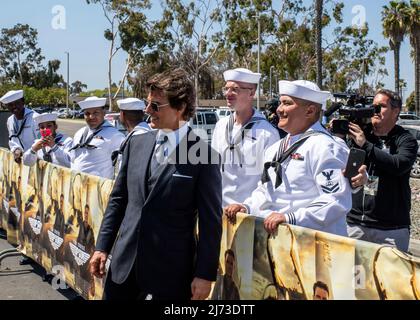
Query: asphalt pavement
x=25 y=282
x=70 y=126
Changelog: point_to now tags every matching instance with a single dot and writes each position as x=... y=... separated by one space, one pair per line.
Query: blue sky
x=85 y=24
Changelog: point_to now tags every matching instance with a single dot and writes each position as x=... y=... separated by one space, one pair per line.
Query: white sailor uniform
x=22 y=133
x=57 y=154
x=313 y=192
x=241 y=150
x=91 y=150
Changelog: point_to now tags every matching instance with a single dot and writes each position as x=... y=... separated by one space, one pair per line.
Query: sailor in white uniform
x=22 y=129
x=302 y=183
x=52 y=146
x=93 y=145
x=132 y=117
x=242 y=138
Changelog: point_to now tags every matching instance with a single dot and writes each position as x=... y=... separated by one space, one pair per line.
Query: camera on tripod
x=357 y=109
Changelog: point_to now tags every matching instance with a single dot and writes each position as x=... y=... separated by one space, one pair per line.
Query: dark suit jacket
x=158 y=227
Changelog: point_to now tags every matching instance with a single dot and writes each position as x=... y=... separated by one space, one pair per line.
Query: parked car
x=415 y=131
x=203 y=124
x=224 y=112
x=408 y=119
x=43 y=109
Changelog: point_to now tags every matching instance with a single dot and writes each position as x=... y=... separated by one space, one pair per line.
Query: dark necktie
x=159 y=154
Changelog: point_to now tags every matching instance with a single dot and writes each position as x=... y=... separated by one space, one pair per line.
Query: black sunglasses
x=155 y=106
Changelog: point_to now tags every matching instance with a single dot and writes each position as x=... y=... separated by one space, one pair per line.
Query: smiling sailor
x=93 y=144
x=302 y=183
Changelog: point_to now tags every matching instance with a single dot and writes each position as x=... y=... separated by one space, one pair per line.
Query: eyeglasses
x=155 y=106
x=235 y=90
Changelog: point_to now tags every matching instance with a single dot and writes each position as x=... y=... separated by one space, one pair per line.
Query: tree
x=394 y=22
x=127 y=30
x=77 y=87
x=192 y=26
x=318 y=35
x=410 y=102
x=19 y=53
x=414 y=31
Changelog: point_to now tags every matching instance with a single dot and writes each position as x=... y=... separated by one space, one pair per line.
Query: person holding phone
x=52 y=144
x=381 y=209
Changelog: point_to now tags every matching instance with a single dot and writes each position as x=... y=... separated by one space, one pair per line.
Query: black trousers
x=131 y=289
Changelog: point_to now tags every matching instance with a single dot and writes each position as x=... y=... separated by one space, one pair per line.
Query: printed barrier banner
x=55 y=215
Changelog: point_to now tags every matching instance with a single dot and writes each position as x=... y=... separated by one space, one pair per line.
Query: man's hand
x=231 y=211
x=18 y=153
x=357 y=134
x=273 y=220
x=97 y=264
x=200 y=289
x=361 y=178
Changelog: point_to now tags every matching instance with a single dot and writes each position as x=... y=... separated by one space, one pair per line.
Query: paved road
x=69 y=127
x=25 y=282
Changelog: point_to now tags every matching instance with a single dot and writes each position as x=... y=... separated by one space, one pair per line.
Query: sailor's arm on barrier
x=273 y=220
x=231 y=210
x=29 y=157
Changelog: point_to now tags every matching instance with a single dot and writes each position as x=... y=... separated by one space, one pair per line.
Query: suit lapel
x=148 y=148
x=166 y=171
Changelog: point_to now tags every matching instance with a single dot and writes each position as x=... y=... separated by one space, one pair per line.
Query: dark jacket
x=157 y=226
x=390 y=208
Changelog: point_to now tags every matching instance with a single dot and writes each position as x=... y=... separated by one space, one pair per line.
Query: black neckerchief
x=17 y=132
x=281 y=155
x=47 y=154
x=85 y=143
x=233 y=142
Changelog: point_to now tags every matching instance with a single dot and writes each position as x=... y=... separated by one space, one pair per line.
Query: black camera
x=356 y=109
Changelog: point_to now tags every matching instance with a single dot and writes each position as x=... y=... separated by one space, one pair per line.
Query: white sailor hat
x=131 y=104
x=242 y=75
x=11 y=96
x=306 y=90
x=92 y=102
x=45 y=117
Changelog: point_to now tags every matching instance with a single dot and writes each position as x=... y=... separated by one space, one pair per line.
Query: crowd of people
x=166 y=177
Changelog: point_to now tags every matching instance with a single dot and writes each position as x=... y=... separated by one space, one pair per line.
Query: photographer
x=381 y=210
x=272 y=117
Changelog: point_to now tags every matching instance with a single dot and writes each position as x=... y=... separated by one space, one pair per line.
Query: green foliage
x=38 y=97
x=411 y=102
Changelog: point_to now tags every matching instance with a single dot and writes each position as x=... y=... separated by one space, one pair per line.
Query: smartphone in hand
x=354 y=162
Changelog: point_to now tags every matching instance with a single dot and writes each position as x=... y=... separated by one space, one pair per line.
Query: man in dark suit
x=168 y=179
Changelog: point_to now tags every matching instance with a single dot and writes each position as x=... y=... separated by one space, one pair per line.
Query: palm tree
x=414 y=31
x=394 y=23
x=318 y=41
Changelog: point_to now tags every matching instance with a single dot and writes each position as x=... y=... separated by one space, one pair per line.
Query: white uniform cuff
x=290 y=218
